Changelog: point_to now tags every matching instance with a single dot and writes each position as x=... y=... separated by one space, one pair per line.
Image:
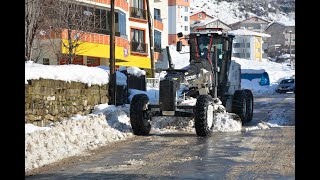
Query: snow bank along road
x=259 y=154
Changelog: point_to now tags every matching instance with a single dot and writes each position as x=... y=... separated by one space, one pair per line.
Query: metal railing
x=153 y=82
x=139 y=47
x=138 y=13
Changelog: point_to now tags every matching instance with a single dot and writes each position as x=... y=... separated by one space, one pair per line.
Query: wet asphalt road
x=259 y=154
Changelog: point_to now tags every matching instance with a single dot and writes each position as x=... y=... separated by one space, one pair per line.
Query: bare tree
x=33 y=18
x=74 y=19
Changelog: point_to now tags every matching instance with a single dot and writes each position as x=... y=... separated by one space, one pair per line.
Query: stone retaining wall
x=49 y=101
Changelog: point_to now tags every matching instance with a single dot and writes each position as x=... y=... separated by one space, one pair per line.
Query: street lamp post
x=291 y=64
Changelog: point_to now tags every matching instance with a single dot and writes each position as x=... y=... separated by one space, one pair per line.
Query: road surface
x=258 y=154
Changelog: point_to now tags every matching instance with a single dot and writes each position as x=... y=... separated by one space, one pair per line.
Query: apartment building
x=253 y=23
x=248 y=44
x=179 y=19
x=280 y=35
x=131 y=37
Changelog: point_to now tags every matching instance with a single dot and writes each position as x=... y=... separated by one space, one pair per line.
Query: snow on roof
x=287 y=23
x=71 y=72
x=286 y=56
x=244 y=32
x=251 y=16
x=283 y=23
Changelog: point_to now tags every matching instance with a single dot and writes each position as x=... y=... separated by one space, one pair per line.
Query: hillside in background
x=231 y=11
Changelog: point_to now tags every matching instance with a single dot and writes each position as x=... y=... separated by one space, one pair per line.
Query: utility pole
x=151 y=40
x=112 y=64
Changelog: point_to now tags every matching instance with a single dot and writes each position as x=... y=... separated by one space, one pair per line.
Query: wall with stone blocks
x=48 y=101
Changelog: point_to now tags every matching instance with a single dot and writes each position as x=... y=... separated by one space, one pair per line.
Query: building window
x=200 y=15
x=138 y=41
x=77 y=59
x=123 y=25
x=45 y=61
x=93 y=61
x=186 y=18
x=236 y=55
x=186 y=28
x=157 y=15
x=186 y=9
x=236 y=45
x=256 y=26
x=137 y=9
x=248 y=45
x=248 y=55
x=157 y=41
x=258 y=50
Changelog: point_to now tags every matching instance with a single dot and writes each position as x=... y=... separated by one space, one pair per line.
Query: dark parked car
x=286 y=85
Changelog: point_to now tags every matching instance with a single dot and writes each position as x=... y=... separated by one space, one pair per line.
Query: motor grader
x=211 y=79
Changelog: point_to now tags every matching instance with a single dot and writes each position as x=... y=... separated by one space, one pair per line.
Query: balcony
x=118 y=3
x=138 y=13
x=158 y=24
x=138 y=47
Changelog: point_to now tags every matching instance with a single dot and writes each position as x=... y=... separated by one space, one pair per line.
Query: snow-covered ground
x=276 y=72
x=229 y=12
x=107 y=123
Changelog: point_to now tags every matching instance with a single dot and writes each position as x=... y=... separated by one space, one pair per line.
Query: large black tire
x=249 y=104
x=239 y=105
x=140 y=125
x=204 y=113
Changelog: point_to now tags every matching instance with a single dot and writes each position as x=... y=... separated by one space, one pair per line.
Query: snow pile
x=68 y=73
x=30 y=128
x=121 y=78
x=136 y=71
x=279 y=117
x=75 y=136
x=132 y=70
x=117 y=117
x=224 y=122
x=256 y=88
x=275 y=70
x=170 y=124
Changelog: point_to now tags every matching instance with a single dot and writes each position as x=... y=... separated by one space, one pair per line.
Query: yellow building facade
x=131 y=41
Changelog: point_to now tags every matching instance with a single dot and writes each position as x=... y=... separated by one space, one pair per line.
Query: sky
x=108 y=123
